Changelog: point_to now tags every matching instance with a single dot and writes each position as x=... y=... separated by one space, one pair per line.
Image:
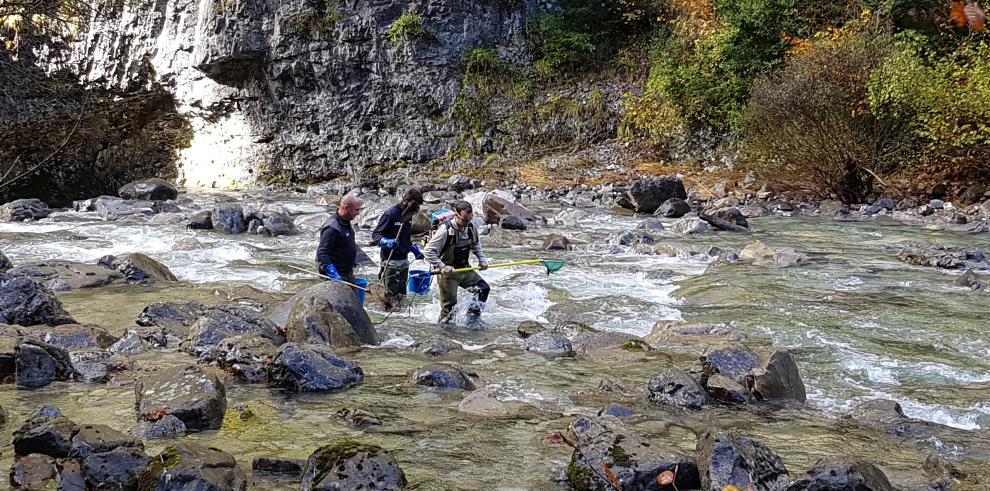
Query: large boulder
x=352 y=465
x=842 y=475
x=189 y=466
x=39 y=364
x=218 y=323
x=689 y=226
x=344 y=302
x=198 y=399
x=112 y=208
x=731 y=215
x=201 y=220
x=24 y=209
x=312 y=369
x=494 y=209
x=608 y=456
x=647 y=194
x=138 y=268
x=229 y=218
x=730 y=362
x=443 y=377
x=45 y=432
x=677 y=388
x=67 y=275
x=673 y=208
x=550 y=345
x=726 y=459
x=277 y=224
x=154 y=189
x=778 y=378
x=26 y=302
x=314 y=319
x=77 y=337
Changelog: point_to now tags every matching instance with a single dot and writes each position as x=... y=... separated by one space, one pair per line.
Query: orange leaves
x=611 y=475
x=968 y=14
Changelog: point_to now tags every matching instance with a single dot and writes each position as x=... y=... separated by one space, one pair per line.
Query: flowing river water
x=860 y=324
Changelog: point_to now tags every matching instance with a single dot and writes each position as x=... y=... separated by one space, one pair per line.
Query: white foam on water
x=396 y=339
x=36 y=227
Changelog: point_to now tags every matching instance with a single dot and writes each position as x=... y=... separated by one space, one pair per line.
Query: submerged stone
x=352 y=465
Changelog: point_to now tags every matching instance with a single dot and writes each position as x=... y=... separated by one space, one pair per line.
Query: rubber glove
x=333 y=274
x=417 y=253
x=388 y=243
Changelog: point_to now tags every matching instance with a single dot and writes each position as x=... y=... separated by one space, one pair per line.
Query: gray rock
x=778 y=378
x=842 y=475
x=93 y=366
x=90 y=439
x=529 y=328
x=314 y=319
x=67 y=275
x=172 y=320
x=221 y=322
x=312 y=369
x=726 y=459
x=111 y=208
x=730 y=362
x=138 y=268
x=70 y=476
x=197 y=398
x=570 y=217
x=352 y=465
x=246 y=357
x=229 y=218
x=34 y=471
x=189 y=466
x=689 y=226
x=167 y=427
x=673 y=208
x=677 y=388
x=549 y=345
x=201 y=220
x=26 y=302
x=513 y=222
x=443 y=377
x=436 y=346
x=606 y=449
x=277 y=224
x=167 y=218
x=154 y=189
x=116 y=469
x=832 y=208
x=653 y=224
x=24 y=209
x=77 y=337
x=647 y=194
x=556 y=242
x=5 y=263
x=130 y=344
x=616 y=410
x=344 y=302
x=731 y=215
x=278 y=466
x=760 y=254
x=39 y=364
x=311 y=223
x=724 y=389
x=46 y=432
x=971 y=280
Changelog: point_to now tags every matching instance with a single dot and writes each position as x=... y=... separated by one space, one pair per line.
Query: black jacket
x=337 y=246
x=388 y=227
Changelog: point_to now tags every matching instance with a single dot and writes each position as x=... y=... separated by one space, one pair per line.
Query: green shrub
x=408 y=26
x=306 y=24
x=945 y=98
x=811 y=124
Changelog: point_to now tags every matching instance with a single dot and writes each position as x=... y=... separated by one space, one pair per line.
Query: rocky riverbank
x=235 y=386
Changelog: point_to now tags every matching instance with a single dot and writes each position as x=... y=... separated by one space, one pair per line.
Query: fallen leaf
x=666 y=478
x=611 y=476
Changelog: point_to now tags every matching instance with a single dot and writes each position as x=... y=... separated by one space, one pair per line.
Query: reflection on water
x=861 y=324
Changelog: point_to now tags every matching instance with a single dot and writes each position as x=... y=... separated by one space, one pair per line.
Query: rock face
x=647 y=194
x=351 y=465
x=344 y=302
x=676 y=388
x=198 y=399
x=725 y=459
x=23 y=209
x=347 y=91
x=606 y=452
x=154 y=189
x=312 y=369
x=26 y=302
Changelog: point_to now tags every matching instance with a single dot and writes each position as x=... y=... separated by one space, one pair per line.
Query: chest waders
x=456 y=252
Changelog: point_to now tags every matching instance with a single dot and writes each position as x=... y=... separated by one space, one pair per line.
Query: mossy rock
x=352 y=465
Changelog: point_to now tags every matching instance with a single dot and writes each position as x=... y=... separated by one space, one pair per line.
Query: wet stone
x=45 y=432
x=549 y=345
x=38 y=364
x=677 y=388
x=351 y=465
x=724 y=389
x=278 y=466
x=24 y=209
x=116 y=469
x=778 y=378
x=617 y=410
x=76 y=337
x=70 y=476
x=221 y=322
x=130 y=344
x=312 y=369
x=167 y=427
x=150 y=189
x=138 y=268
x=726 y=459
x=174 y=319
x=229 y=218
x=189 y=466
x=93 y=366
x=90 y=439
x=732 y=363
x=34 y=471
x=443 y=377
x=246 y=357
x=197 y=398
x=26 y=302
x=436 y=347
x=529 y=328
x=842 y=475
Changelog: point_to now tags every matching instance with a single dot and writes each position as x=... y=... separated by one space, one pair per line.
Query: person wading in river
x=451 y=248
x=394 y=234
x=337 y=253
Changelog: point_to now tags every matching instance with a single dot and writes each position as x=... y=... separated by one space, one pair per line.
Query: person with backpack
x=394 y=235
x=450 y=248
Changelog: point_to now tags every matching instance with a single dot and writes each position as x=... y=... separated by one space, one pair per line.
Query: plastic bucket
x=363 y=283
x=419 y=282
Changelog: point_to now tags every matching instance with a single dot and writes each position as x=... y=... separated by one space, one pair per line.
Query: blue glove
x=418 y=254
x=333 y=274
x=388 y=243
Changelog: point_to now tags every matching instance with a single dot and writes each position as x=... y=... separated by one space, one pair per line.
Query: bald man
x=337 y=252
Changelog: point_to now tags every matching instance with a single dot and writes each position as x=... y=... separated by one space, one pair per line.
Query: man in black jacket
x=394 y=234
x=337 y=252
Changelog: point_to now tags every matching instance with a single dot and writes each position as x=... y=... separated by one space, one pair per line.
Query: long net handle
x=499 y=265
x=352 y=285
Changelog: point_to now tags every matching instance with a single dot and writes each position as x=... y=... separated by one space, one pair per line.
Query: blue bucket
x=363 y=283
x=419 y=282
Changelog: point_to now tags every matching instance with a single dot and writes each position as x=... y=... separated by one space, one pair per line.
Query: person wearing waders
x=337 y=252
x=450 y=248
x=394 y=234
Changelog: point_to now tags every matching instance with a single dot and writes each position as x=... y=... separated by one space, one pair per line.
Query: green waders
x=395 y=275
x=448 y=291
